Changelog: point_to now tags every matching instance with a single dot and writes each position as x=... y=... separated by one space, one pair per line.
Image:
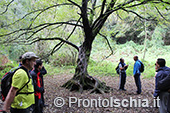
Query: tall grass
x=127 y=51
x=104 y=68
x=57 y=70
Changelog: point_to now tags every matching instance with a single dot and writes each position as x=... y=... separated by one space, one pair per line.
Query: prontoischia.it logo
x=107 y=102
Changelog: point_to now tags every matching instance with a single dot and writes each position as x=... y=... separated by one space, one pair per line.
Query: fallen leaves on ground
x=101 y=103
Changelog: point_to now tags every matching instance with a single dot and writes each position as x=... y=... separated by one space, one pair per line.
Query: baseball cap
x=29 y=55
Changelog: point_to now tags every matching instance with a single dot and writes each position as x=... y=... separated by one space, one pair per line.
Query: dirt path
x=101 y=103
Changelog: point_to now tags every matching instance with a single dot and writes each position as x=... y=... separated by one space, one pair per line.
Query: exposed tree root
x=80 y=83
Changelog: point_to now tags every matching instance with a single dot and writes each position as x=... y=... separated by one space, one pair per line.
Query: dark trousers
x=42 y=94
x=168 y=108
x=122 y=81
x=163 y=102
x=14 y=110
x=42 y=97
x=38 y=106
x=138 y=83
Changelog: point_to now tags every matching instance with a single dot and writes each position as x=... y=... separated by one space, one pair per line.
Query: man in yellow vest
x=22 y=101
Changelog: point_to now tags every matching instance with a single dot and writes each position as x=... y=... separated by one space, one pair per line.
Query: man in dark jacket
x=38 y=86
x=43 y=72
x=162 y=72
x=164 y=85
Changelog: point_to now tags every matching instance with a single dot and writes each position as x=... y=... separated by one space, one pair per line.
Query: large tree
x=88 y=15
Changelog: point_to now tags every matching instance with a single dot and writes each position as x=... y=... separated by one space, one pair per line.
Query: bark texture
x=81 y=79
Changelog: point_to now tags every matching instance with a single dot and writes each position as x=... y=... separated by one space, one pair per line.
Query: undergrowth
x=99 y=65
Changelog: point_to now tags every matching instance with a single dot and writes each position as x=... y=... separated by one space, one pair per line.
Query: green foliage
x=13 y=51
x=55 y=70
x=16 y=50
x=7 y=67
x=61 y=63
x=64 y=58
x=104 y=68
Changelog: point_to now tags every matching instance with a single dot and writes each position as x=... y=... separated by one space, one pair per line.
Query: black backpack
x=6 y=82
x=142 y=67
x=117 y=69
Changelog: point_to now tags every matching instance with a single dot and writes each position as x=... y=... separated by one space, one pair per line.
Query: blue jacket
x=136 y=67
x=162 y=72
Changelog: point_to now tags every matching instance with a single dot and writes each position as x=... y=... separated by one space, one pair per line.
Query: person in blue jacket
x=137 y=73
x=162 y=73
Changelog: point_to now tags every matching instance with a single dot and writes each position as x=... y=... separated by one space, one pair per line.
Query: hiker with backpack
x=122 y=73
x=37 y=74
x=137 y=73
x=162 y=85
x=20 y=101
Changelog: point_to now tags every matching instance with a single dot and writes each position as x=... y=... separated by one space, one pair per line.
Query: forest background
x=128 y=35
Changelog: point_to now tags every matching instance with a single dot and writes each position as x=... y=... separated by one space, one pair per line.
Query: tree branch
x=160 y=13
x=97 y=25
x=6 y=8
x=60 y=44
x=141 y=3
x=138 y=15
x=57 y=38
x=118 y=15
x=108 y=44
x=41 y=25
x=92 y=11
x=165 y=2
x=127 y=3
x=94 y=4
x=39 y=10
x=102 y=8
x=75 y=4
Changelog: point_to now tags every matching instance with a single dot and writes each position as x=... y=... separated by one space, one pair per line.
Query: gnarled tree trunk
x=81 y=79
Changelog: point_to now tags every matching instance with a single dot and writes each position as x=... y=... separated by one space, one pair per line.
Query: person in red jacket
x=38 y=86
x=43 y=72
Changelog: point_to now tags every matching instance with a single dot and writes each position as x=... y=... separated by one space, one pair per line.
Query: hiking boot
x=138 y=92
x=124 y=89
x=45 y=105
